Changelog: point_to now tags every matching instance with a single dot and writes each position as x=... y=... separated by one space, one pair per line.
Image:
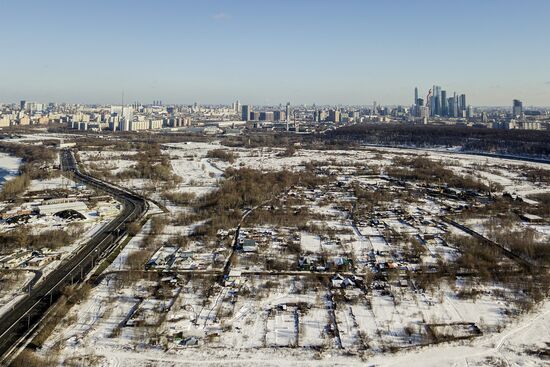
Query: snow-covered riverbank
x=9 y=166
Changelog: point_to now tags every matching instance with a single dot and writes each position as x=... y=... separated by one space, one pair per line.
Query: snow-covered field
x=199 y=174
x=9 y=166
x=290 y=320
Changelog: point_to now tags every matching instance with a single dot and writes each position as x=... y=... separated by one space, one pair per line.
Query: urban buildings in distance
x=438 y=107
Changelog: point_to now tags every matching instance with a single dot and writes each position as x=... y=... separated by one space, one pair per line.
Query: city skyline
x=280 y=104
x=350 y=53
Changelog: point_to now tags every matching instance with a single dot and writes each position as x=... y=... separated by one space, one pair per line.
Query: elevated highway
x=28 y=312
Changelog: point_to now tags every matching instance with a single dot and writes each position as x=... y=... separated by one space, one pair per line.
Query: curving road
x=28 y=312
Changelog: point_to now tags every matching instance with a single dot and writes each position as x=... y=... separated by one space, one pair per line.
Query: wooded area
x=527 y=143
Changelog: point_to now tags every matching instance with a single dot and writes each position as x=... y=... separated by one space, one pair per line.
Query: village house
x=339 y=281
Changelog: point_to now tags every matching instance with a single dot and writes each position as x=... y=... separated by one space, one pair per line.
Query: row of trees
x=22 y=237
x=243 y=189
x=179 y=198
x=221 y=154
x=34 y=158
x=151 y=164
x=15 y=187
x=424 y=169
x=515 y=142
x=537 y=175
x=486 y=264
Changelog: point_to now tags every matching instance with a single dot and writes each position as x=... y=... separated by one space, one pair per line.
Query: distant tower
x=334 y=116
x=444 y=103
x=470 y=112
x=245 y=113
x=517 y=108
x=450 y=107
x=462 y=102
x=435 y=102
x=428 y=101
x=287 y=111
x=416 y=96
x=455 y=105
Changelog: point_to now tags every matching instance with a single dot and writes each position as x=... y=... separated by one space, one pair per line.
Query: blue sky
x=270 y=52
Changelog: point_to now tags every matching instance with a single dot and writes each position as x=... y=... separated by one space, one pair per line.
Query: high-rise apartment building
x=517 y=108
x=267 y=116
x=451 y=105
x=462 y=103
x=246 y=112
x=444 y=107
x=334 y=115
x=287 y=111
x=435 y=102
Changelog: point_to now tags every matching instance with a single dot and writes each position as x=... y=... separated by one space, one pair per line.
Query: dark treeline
x=23 y=238
x=151 y=164
x=243 y=189
x=514 y=142
x=429 y=171
x=31 y=154
x=221 y=154
x=288 y=141
x=129 y=140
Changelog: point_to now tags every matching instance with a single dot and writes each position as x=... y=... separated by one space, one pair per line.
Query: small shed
x=531 y=218
x=249 y=246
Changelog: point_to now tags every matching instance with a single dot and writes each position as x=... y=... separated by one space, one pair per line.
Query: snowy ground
x=199 y=174
x=96 y=216
x=91 y=335
x=13 y=282
x=280 y=324
x=9 y=166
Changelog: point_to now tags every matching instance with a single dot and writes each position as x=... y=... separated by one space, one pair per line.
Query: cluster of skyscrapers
x=438 y=104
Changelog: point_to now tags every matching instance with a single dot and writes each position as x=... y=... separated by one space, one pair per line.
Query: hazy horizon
x=323 y=52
